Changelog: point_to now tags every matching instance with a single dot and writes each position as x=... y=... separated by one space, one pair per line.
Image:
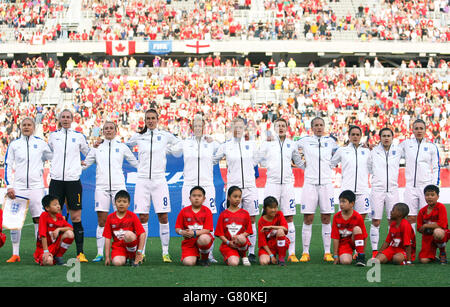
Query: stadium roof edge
x=242 y=46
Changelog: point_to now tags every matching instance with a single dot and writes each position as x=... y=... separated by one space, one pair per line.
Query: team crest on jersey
x=363 y=153
x=205 y=145
x=425 y=148
x=326 y=144
x=288 y=145
x=393 y=152
x=247 y=147
x=117 y=149
x=195 y=227
x=188 y=219
x=158 y=138
x=73 y=140
x=35 y=146
x=234 y=228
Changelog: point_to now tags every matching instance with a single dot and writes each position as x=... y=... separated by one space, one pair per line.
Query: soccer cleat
x=212 y=260
x=82 y=258
x=305 y=257
x=245 y=261
x=14 y=258
x=203 y=262
x=167 y=258
x=281 y=263
x=59 y=260
x=252 y=258
x=443 y=257
x=360 y=260
x=328 y=257
x=293 y=258
x=98 y=258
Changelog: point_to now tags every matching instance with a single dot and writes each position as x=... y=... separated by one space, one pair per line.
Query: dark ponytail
x=269 y=201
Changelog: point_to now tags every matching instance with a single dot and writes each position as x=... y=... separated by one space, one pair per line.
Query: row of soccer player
x=25 y=157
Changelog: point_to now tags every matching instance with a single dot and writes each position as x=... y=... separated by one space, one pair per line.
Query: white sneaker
x=246 y=262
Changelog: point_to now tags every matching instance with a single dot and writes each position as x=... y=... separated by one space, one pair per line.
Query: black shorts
x=72 y=191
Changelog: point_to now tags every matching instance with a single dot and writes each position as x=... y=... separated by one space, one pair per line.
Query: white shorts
x=380 y=200
x=151 y=190
x=249 y=201
x=104 y=199
x=210 y=195
x=415 y=199
x=314 y=194
x=285 y=194
x=362 y=203
x=35 y=196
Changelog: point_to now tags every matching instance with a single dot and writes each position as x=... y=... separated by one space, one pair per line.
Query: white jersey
x=318 y=152
x=422 y=162
x=355 y=168
x=109 y=158
x=198 y=160
x=24 y=162
x=277 y=155
x=241 y=162
x=384 y=167
x=66 y=145
x=152 y=147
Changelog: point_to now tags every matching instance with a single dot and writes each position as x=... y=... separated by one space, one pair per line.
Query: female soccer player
x=272 y=230
x=354 y=159
x=241 y=157
x=233 y=228
x=66 y=145
x=198 y=153
x=24 y=167
x=108 y=157
x=151 y=185
x=318 y=188
x=277 y=155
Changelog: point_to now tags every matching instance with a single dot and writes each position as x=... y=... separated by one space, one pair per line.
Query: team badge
x=363 y=153
x=288 y=145
x=425 y=148
x=393 y=152
x=35 y=146
x=247 y=147
x=159 y=138
x=73 y=140
x=326 y=144
x=117 y=149
x=234 y=228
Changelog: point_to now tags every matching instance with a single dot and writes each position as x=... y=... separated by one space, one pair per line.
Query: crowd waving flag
x=120 y=47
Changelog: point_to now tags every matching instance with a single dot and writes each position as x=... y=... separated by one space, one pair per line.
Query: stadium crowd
x=216 y=20
x=121 y=91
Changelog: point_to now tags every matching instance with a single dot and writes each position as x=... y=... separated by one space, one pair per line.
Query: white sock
x=374 y=236
x=413 y=225
x=326 y=237
x=164 y=235
x=211 y=255
x=306 y=237
x=291 y=237
x=15 y=240
x=145 y=225
x=100 y=240
x=36 y=230
x=252 y=239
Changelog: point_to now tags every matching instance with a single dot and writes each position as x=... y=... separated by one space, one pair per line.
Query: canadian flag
x=120 y=47
x=37 y=39
x=197 y=46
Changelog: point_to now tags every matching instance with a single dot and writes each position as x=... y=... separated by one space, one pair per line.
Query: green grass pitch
x=155 y=273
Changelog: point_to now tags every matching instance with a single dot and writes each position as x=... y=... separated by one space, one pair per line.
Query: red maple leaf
x=120 y=47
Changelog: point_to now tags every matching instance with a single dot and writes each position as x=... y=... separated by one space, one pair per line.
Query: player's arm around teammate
x=318 y=188
x=108 y=157
x=24 y=168
x=151 y=185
